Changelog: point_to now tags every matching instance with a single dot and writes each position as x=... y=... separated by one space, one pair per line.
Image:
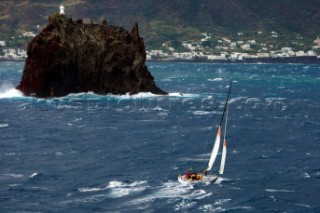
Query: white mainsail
x=215 y=150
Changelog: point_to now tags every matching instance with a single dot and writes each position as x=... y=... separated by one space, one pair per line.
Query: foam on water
x=34 y=175
x=119 y=184
x=118 y=188
x=11 y=175
x=210 y=208
x=215 y=79
x=233 y=100
x=221 y=201
x=184 y=95
x=279 y=190
x=10 y=93
x=185 y=194
x=88 y=189
x=4 y=125
x=200 y=112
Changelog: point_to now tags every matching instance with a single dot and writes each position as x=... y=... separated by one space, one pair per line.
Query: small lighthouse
x=62 y=9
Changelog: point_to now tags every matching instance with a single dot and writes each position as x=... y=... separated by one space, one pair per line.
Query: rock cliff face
x=71 y=57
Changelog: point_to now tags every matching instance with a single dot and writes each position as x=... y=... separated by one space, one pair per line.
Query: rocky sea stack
x=71 y=57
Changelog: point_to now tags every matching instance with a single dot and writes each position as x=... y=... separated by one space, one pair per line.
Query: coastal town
x=206 y=49
x=239 y=51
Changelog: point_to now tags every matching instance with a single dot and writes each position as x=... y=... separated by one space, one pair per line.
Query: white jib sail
x=223 y=157
x=215 y=150
x=224 y=150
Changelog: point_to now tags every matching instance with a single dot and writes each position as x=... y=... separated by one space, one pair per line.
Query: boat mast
x=216 y=145
x=225 y=106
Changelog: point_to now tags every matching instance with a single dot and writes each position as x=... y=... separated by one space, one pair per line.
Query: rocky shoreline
x=71 y=57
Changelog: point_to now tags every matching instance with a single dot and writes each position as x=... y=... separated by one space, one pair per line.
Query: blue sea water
x=92 y=153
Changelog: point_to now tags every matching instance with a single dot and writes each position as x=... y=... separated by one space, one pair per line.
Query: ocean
x=92 y=153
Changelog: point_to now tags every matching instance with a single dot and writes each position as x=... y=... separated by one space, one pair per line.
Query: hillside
x=178 y=20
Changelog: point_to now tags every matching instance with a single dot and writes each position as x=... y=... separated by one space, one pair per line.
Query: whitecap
x=221 y=201
x=254 y=100
x=172 y=190
x=184 y=205
x=33 y=175
x=4 y=125
x=10 y=154
x=11 y=93
x=15 y=185
x=279 y=190
x=185 y=95
x=306 y=175
x=116 y=184
x=164 y=114
x=59 y=153
x=218 y=181
x=158 y=109
x=210 y=208
x=88 y=189
x=120 y=189
x=232 y=100
x=200 y=112
x=303 y=205
x=121 y=192
x=215 y=79
x=11 y=175
x=166 y=80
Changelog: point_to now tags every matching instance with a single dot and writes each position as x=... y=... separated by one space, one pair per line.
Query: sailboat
x=203 y=176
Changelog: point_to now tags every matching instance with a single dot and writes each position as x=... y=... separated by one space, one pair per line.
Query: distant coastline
x=12 y=60
x=264 y=60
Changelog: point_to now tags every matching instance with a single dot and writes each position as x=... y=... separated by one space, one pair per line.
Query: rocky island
x=71 y=57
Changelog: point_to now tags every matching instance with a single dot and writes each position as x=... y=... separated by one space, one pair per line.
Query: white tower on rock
x=62 y=9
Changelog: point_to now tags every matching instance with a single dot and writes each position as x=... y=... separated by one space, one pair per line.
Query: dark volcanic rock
x=71 y=57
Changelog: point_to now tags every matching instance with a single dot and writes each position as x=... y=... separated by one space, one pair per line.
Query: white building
x=2 y=43
x=11 y=53
x=274 y=34
x=263 y=55
x=286 y=49
x=216 y=57
x=301 y=53
x=62 y=10
x=311 y=53
x=316 y=43
x=184 y=55
x=29 y=34
x=226 y=40
x=233 y=44
x=189 y=46
x=246 y=47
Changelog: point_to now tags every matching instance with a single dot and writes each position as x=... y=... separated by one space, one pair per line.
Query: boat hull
x=203 y=179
